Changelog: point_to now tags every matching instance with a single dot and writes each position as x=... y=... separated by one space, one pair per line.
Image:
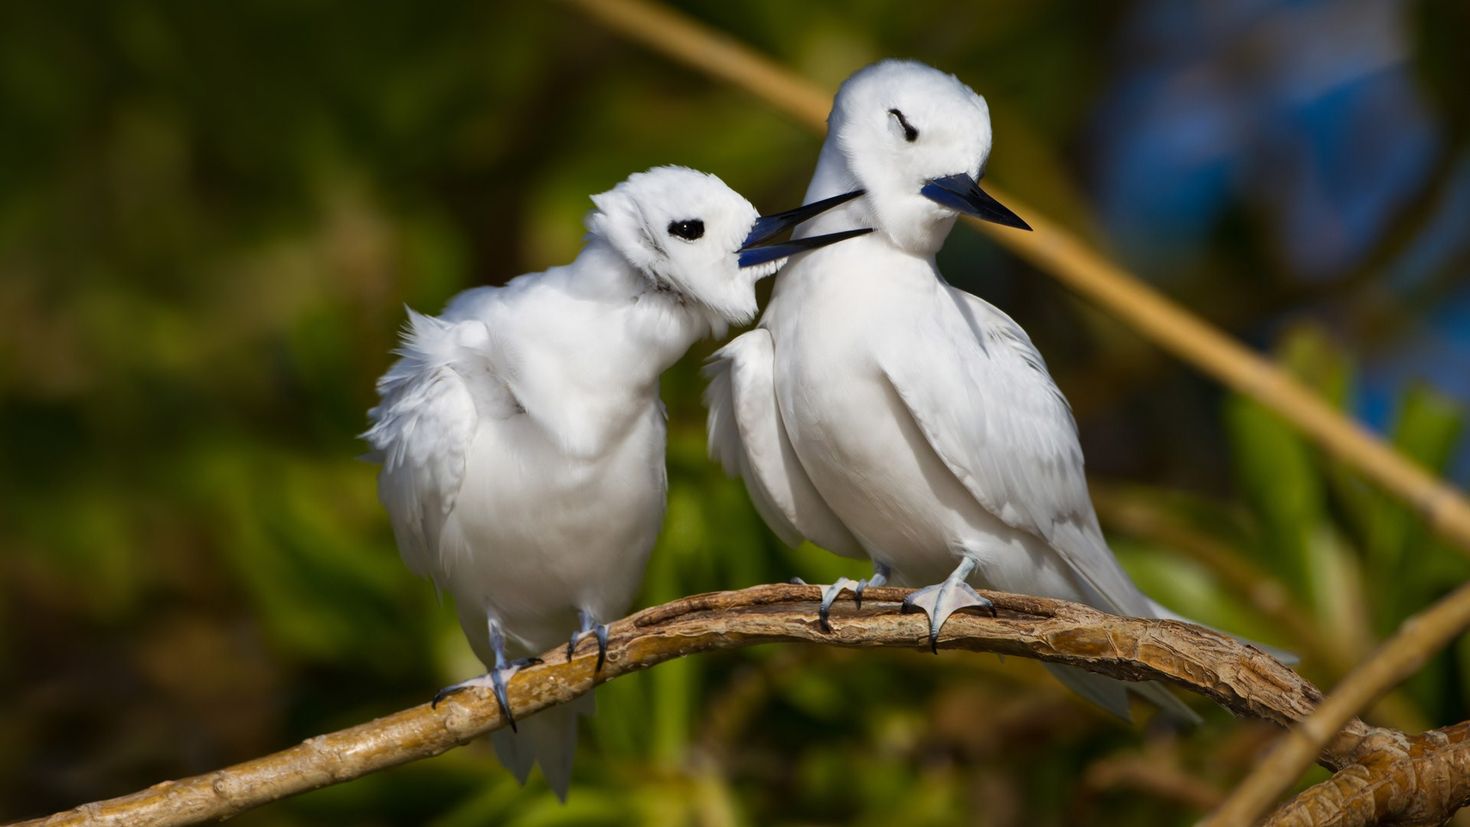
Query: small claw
x=601 y=633
x=497 y=683
x=941 y=600
x=495 y=680
x=442 y=694
x=879 y=578
x=590 y=626
x=796 y=581
x=829 y=595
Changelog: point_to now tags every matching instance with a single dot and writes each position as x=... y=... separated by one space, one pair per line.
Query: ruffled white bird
x=522 y=438
x=881 y=413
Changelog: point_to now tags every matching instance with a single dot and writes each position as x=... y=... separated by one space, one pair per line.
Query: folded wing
x=746 y=435
x=980 y=393
x=423 y=428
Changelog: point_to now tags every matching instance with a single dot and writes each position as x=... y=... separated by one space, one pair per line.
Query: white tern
x=883 y=414
x=522 y=438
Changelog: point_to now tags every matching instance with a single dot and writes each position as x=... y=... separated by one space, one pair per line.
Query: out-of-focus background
x=212 y=216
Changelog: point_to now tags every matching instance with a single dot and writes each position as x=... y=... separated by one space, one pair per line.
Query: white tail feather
x=548 y=738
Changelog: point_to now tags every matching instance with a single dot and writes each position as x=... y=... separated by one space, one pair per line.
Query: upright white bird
x=522 y=438
x=882 y=413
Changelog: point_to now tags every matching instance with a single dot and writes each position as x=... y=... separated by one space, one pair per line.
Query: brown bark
x=1418 y=639
x=1411 y=778
x=1394 y=779
x=1245 y=680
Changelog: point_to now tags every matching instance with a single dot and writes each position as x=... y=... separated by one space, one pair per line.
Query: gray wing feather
x=983 y=398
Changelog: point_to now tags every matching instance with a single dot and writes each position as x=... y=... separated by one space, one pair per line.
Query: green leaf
x=1279 y=479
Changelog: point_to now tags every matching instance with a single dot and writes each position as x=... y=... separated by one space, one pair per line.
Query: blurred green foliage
x=210 y=219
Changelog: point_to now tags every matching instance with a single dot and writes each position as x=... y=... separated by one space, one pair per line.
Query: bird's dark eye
x=687 y=230
x=910 y=134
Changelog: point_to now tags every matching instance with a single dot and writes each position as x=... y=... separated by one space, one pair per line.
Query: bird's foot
x=941 y=600
x=494 y=680
x=590 y=627
x=879 y=578
x=829 y=595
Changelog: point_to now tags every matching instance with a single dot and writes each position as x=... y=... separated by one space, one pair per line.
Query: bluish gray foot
x=829 y=594
x=941 y=600
x=592 y=627
x=494 y=680
x=879 y=578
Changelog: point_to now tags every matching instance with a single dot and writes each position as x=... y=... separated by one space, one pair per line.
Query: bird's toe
x=829 y=596
x=941 y=600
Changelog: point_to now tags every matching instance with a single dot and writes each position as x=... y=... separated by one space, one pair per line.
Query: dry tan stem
x=1399 y=657
x=1066 y=257
x=1138 y=517
x=1244 y=679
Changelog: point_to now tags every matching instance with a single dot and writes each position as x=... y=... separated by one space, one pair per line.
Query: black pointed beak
x=960 y=192
x=763 y=253
x=759 y=249
x=768 y=226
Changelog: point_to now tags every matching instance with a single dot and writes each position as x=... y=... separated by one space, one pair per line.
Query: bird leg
x=496 y=678
x=881 y=573
x=941 y=600
x=589 y=626
x=829 y=594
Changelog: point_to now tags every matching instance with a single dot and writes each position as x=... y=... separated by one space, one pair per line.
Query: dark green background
x=212 y=215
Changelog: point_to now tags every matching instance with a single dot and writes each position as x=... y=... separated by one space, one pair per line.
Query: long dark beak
x=759 y=249
x=760 y=254
x=960 y=192
x=769 y=226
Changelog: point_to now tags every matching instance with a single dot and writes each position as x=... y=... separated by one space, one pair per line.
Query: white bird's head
x=917 y=140
x=692 y=235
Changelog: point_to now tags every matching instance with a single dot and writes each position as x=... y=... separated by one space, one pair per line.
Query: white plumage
x=880 y=412
x=522 y=438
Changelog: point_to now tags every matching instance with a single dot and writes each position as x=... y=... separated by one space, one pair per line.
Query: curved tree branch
x=1396 y=780
x=1418 y=639
x=1237 y=676
x=1381 y=774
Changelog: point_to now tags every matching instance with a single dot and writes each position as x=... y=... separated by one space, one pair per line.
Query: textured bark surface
x=1412 y=778
x=1387 y=756
x=1394 y=779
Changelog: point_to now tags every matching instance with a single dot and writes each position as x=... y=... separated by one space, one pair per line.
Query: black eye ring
x=910 y=134
x=687 y=230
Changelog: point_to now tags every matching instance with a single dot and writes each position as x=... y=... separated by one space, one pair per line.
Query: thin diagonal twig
x=1418 y=639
